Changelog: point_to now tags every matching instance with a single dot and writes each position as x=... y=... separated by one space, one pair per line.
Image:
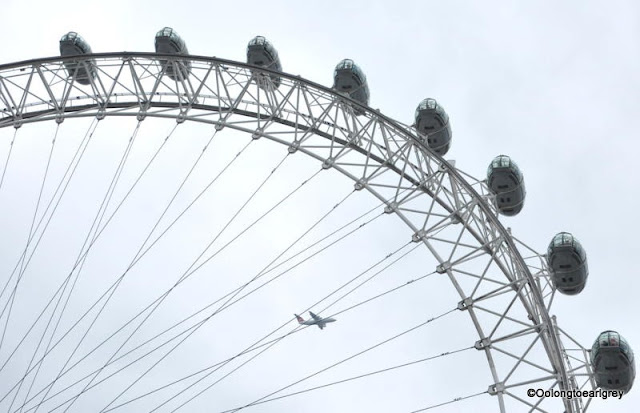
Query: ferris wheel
x=155 y=264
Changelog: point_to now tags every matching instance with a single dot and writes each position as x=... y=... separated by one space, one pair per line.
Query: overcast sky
x=552 y=84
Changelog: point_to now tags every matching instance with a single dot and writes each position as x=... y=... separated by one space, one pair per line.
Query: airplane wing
x=315 y=317
x=321 y=325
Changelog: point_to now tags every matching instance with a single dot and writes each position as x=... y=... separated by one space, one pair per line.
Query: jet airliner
x=315 y=320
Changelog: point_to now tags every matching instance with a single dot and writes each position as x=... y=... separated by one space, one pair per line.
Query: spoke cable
x=348 y=358
x=275 y=341
x=81 y=150
x=383 y=294
x=374 y=274
x=6 y=163
x=372 y=373
x=57 y=304
x=192 y=329
x=20 y=263
x=256 y=346
x=93 y=230
x=248 y=350
x=111 y=291
x=96 y=236
x=23 y=265
x=63 y=285
x=12 y=296
x=388 y=256
x=70 y=168
x=187 y=273
x=237 y=291
x=457 y=399
x=296 y=328
x=116 y=282
x=219 y=299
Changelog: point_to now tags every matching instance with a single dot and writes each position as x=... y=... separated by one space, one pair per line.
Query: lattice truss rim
x=384 y=156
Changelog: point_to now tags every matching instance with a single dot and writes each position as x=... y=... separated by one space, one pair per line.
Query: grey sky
x=554 y=85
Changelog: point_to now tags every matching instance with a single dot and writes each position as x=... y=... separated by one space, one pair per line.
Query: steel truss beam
x=448 y=211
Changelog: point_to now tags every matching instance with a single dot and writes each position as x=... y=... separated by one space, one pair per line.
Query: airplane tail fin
x=300 y=319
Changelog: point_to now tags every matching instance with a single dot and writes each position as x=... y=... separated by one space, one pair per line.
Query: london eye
x=179 y=208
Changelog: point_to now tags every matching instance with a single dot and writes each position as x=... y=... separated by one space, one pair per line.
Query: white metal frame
x=451 y=213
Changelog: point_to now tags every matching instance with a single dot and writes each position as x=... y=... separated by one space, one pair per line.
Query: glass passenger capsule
x=612 y=362
x=84 y=70
x=349 y=79
x=169 y=42
x=506 y=181
x=568 y=263
x=262 y=53
x=432 y=122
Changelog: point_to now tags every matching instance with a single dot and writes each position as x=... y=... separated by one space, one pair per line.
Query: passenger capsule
x=432 y=123
x=83 y=70
x=506 y=181
x=349 y=79
x=168 y=42
x=612 y=362
x=568 y=263
x=262 y=53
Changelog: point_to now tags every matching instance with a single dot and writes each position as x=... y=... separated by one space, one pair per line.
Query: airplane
x=316 y=320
